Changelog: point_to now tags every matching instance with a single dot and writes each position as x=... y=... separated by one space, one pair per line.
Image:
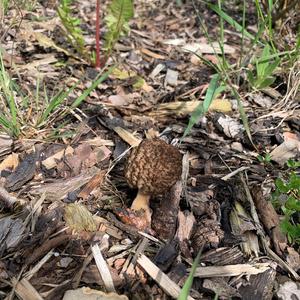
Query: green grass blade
x=57 y=100
x=202 y=108
x=231 y=21
x=184 y=293
x=4 y=122
x=95 y=83
x=6 y=86
x=243 y=114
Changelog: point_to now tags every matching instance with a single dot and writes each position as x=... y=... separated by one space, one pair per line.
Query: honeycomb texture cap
x=153 y=167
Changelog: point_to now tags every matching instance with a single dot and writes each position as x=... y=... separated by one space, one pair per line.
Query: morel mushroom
x=153 y=167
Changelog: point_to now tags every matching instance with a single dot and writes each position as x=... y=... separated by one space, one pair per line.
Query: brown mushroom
x=153 y=167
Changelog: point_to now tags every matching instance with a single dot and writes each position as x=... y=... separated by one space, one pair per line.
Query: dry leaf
x=288 y=291
x=231 y=127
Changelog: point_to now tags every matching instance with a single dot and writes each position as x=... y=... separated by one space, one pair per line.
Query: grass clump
x=20 y=112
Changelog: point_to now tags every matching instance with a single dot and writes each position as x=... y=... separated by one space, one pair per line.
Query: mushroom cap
x=153 y=167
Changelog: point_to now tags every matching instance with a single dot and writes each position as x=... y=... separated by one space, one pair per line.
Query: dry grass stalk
x=169 y=286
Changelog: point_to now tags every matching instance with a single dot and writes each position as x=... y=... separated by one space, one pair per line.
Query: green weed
x=287 y=198
x=120 y=12
x=4 y=4
x=265 y=159
x=259 y=72
x=72 y=26
x=15 y=105
x=265 y=66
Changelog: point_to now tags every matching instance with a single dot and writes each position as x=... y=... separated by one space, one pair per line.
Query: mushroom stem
x=140 y=202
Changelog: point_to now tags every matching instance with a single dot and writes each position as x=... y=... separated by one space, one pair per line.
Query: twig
x=47 y=246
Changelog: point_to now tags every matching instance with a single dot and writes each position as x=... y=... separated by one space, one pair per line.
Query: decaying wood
x=234 y=270
x=95 y=182
x=221 y=287
x=259 y=286
x=60 y=189
x=270 y=219
x=23 y=173
x=223 y=256
x=262 y=237
x=127 y=136
x=25 y=290
x=5 y=144
x=164 y=218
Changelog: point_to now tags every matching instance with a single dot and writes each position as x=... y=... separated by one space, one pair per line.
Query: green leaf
x=294 y=181
x=251 y=78
x=56 y=101
x=94 y=84
x=293 y=204
x=293 y=164
x=265 y=82
x=261 y=67
x=122 y=9
x=271 y=67
x=293 y=231
x=280 y=185
x=120 y=13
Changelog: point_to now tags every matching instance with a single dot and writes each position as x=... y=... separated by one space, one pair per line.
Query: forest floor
x=66 y=230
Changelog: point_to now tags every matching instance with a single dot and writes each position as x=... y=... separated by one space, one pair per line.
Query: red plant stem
x=98 y=34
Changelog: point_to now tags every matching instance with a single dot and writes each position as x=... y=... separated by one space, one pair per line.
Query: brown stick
x=47 y=246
